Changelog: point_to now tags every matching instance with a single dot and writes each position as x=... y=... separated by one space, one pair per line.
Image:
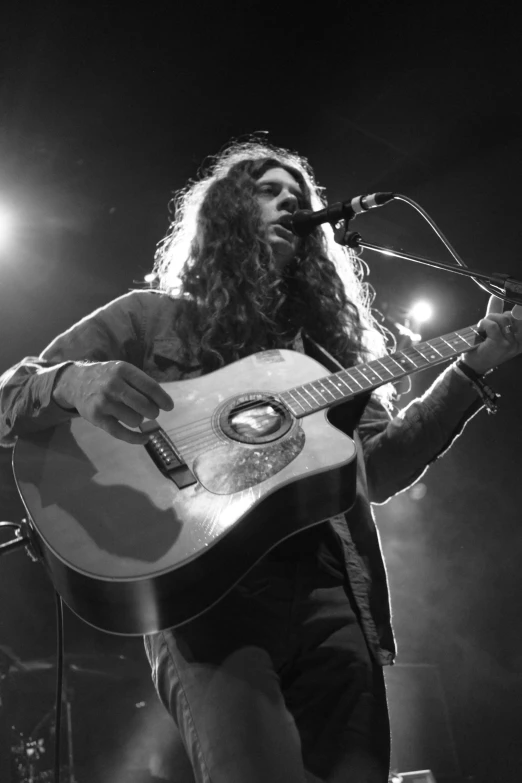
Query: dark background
x=105 y=110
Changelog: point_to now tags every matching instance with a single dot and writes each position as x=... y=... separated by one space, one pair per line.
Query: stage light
x=421 y=312
x=6 y=228
x=418 y=491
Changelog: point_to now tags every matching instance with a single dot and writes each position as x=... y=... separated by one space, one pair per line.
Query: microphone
x=303 y=221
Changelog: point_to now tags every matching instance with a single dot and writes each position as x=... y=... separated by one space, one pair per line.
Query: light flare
x=421 y=312
x=6 y=228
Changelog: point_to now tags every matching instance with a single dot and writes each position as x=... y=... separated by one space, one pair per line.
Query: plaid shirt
x=392 y=452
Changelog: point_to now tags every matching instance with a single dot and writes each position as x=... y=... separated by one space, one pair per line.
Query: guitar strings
x=198 y=433
x=183 y=439
x=199 y=439
x=196 y=442
x=246 y=406
x=469 y=331
x=192 y=450
x=242 y=407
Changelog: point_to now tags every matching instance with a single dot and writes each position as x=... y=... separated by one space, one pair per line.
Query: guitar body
x=129 y=550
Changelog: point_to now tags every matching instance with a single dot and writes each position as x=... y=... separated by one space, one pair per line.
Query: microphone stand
x=19 y=539
x=511 y=288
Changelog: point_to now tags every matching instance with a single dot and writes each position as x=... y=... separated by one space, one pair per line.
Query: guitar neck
x=364 y=378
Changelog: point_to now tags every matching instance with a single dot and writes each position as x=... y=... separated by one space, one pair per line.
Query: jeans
x=275 y=684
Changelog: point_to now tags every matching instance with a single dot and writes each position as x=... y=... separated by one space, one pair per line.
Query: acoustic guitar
x=137 y=539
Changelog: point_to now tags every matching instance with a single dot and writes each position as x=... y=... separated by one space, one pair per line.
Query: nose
x=287 y=201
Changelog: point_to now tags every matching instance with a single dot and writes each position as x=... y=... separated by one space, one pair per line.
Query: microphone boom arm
x=304 y=221
x=511 y=288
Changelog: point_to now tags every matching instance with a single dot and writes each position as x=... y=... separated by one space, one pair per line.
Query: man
x=281 y=681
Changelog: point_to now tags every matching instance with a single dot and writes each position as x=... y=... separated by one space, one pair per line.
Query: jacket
x=392 y=451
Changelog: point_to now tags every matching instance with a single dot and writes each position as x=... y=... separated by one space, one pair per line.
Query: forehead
x=282 y=176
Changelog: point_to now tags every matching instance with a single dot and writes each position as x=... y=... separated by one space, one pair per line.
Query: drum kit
x=27 y=756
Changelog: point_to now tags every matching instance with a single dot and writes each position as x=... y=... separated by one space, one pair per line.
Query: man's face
x=279 y=194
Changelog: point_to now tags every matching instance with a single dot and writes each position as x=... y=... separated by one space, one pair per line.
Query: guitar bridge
x=164 y=455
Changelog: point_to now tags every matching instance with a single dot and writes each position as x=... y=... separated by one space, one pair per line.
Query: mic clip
x=347 y=238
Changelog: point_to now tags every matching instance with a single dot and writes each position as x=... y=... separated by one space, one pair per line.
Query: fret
x=381 y=362
x=336 y=393
x=404 y=361
x=392 y=358
x=447 y=348
x=366 y=383
x=456 y=341
x=427 y=350
x=325 y=391
x=351 y=372
x=416 y=358
x=370 y=374
x=432 y=345
x=449 y=345
x=307 y=387
x=292 y=401
x=475 y=333
x=303 y=401
x=341 y=382
x=345 y=384
x=307 y=397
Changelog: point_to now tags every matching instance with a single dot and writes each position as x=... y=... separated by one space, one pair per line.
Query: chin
x=282 y=259
x=283 y=250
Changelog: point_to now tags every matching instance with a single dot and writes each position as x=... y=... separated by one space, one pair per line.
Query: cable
x=59 y=685
x=489 y=288
x=21 y=541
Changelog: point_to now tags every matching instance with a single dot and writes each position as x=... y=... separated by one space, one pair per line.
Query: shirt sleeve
x=398 y=450
x=113 y=332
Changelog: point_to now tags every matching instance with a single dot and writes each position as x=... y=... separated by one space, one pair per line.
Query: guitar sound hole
x=254 y=418
x=262 y=420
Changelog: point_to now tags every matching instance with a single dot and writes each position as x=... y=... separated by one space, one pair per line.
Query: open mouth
x=283 y=232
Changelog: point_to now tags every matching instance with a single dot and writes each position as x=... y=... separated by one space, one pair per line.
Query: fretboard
x=364 y=378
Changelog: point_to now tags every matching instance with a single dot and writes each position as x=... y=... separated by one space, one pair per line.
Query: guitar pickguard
x=234 y=467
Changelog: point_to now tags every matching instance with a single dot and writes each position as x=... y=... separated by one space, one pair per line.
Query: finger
x=123 y=413
x=491 y=328
x=516 y=313
x=117 y=430
x=505 y=323
x=495 y=305
x=149 y=387
x=138 y=402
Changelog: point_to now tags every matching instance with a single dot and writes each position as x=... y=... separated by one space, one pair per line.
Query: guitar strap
x=345 y=416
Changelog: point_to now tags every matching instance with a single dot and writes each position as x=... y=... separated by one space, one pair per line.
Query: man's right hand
x=113 y=396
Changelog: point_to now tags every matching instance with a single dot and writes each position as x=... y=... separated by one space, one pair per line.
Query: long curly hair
x=217 y=260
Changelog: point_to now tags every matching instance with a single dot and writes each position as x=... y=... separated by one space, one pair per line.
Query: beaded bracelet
x=485 y=392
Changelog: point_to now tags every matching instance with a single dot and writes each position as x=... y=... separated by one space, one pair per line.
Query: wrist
x=469 y=361
x=486 y=394
x=63 y=388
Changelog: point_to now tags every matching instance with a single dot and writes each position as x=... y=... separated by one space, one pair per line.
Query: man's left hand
x=503 y=337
